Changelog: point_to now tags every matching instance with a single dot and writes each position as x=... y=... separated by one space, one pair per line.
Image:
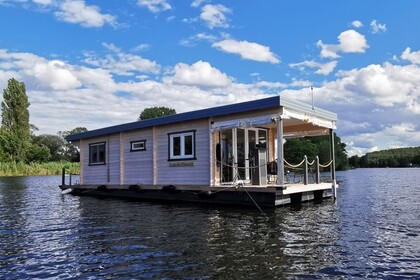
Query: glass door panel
x=226 y=157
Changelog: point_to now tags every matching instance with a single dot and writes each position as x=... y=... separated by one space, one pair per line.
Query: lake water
x=371 y=231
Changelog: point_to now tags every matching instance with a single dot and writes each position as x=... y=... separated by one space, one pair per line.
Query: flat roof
x=242 y=107
x=182 y=117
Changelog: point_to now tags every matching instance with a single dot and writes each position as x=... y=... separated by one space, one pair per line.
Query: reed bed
x=31 y=169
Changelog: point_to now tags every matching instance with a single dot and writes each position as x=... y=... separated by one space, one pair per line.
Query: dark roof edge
x=187 y=116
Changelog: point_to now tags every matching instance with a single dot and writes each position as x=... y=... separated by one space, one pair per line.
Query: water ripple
x=371 y=231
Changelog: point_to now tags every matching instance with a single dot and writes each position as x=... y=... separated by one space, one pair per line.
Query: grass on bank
x=31 y=169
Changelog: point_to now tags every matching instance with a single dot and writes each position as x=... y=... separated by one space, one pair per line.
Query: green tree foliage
x=15 y=131
x=54 y=143
x=401 y=157
x=38 y=154
x=295 y=149
x=155 y=112
x=70 y=151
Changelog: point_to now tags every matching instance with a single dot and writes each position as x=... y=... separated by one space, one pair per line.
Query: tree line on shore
x=400 y=157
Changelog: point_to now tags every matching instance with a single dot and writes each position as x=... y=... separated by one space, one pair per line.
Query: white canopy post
x=280 y=165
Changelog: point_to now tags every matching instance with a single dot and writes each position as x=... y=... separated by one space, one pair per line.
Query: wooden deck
x=264 y=196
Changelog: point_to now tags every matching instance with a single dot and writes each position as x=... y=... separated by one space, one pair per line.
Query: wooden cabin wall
x=138 y=165
x=199 y=173
x=108 y=173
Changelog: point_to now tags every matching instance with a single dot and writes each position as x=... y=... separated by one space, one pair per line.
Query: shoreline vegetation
x=37 y=169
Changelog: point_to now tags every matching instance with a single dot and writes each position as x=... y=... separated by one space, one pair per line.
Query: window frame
x=182 y=136
x=133 y=149
x=97 y=161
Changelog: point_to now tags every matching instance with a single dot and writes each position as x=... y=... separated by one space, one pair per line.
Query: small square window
x=139 y=145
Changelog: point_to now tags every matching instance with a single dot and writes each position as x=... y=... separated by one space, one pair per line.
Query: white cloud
x=121 y=63
x=323 y=68
x=193 y=40
x=155 y=6
x=141 y=47
x=43 y=2
x=248 y=50
x=76 y=11
x=377 y=105
x=397 y=135
x=388 y=85
x=413 y=57
x=39 y=72
x=197 y=3
x=357 y=24
x=350 y=41
x=377 y=27
x=214 y=15
x=200 y=74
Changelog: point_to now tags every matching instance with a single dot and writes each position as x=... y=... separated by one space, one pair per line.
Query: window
x=97 y=153
x=182 y=145
x=139 y=145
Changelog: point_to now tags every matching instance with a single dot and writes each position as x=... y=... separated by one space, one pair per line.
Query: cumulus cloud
x=155 y=6
x=215 y=15
x=323 y=68
x=248 y=50
x=371 y=101
x=76 y=11
x=377 y=27
x=413 y=57
x=388 y=85
x=41 y=73
x=121 y=63
x=350 y=41
x=356 y=23
x=200 y=74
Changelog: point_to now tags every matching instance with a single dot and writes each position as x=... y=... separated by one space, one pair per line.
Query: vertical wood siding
x=199 y=174
x=102 y=174
x=138 y=166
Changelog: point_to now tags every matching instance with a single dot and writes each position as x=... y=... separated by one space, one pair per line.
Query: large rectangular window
x=182 y=145
x=97 y=153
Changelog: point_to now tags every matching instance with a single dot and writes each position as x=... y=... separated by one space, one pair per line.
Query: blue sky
x=100 y=63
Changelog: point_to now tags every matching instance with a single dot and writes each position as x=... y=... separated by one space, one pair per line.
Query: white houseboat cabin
x=207 y=152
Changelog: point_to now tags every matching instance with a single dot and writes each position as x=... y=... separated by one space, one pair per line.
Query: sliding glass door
x=243 y=155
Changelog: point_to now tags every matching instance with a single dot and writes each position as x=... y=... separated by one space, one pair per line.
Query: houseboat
x=230 y=154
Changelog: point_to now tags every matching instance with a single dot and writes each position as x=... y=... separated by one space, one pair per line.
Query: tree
x=54 y=143
x=155 y=112
x=16 y=133
x=295 y=149
x=71 y=152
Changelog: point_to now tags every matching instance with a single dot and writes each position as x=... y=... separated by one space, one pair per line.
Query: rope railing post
x=63 y=176
x=305 y=171
x=317 y=174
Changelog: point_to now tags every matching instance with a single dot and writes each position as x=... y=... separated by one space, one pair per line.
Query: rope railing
x=304 y=168
x=326 y=165
x=294 y=165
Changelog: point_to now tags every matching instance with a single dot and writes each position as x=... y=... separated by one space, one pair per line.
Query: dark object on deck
x=169 y=189
x=134 y=188
x=103 y=188
x=205 y=194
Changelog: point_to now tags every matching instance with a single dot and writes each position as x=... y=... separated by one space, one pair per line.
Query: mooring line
x=256 y=204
